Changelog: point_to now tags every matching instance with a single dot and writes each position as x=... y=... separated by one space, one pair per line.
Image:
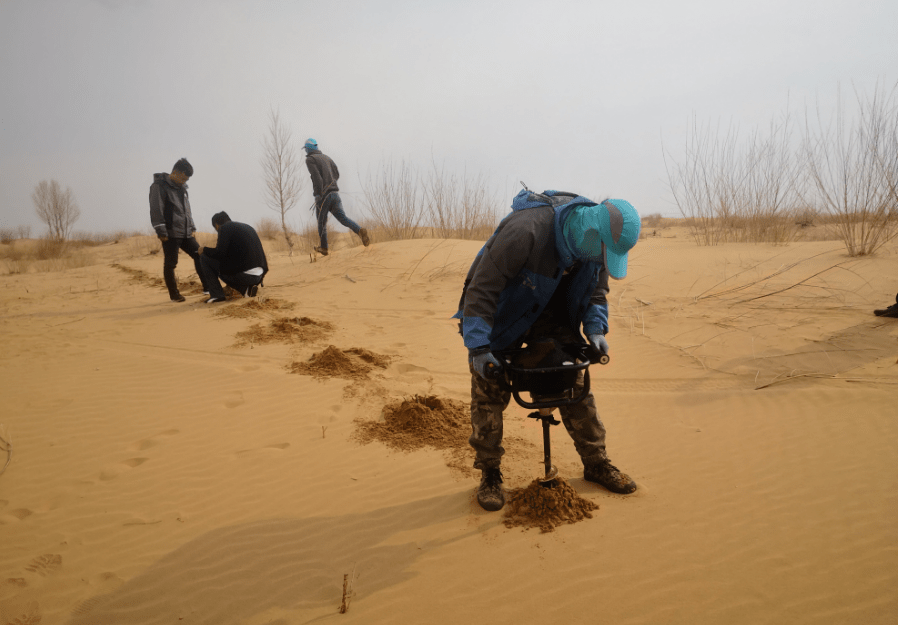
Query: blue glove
x=485 y=364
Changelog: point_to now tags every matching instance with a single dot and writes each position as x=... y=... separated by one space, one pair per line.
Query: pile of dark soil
x=186 y=287
x=546 y=508
x=414 y=423
x=352 y=363
x=255 y=307
x=285 y=330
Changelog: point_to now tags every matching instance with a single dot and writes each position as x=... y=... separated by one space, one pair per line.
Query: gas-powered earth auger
x=548 y=371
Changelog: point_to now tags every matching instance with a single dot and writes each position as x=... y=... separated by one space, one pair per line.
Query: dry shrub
x=406 y=205
x=284 y=330
x=255 y=307
x=332 y=362
x=853 y=168
x=268 y=228
x=652 y=221
x=422 y=421
x=8 y=235
x=546 y=508
x=48 y=248
x=144 y=245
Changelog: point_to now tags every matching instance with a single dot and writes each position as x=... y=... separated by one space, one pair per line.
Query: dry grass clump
x=546 y=508
x=255 y=307
x=21 y=256
x=8 y=235
x=283 y=330
x=422 y=421
x=332 y=362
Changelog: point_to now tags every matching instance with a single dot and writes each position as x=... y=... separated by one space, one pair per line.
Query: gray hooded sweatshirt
x=170 y=209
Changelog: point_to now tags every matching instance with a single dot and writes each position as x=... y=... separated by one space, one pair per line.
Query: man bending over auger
x=543 y=274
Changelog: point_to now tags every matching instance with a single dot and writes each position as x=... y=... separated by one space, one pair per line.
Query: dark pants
x=332 y=204
x=170 y=249
x=488 y=400
x=212 y=273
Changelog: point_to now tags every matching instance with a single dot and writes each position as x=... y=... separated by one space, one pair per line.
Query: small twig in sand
x=323 y=430
x=823 y=376
x=347 y=590
x=348 y=278
x=56 y=325
x=751 y=299
x=5 y=445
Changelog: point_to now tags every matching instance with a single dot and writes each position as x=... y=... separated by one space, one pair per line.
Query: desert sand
x=192 y=463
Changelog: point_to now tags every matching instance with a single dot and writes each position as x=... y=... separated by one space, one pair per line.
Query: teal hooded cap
x=614 y=224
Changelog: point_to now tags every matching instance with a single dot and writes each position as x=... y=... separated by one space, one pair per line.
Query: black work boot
x=171 y=283
x=491 y=495
x=607 y=475
x=891 y=311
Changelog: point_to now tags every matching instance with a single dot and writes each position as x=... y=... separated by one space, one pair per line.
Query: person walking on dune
x=324 y=175
x=541 y=276
x=171 y=219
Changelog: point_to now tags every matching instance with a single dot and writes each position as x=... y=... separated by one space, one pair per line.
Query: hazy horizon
x=100 y=95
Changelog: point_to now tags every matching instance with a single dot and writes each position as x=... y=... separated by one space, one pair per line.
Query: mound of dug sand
x=284 y=329
x=333 y=362
x=546 y=508
x=255 y=307
x=418 y=422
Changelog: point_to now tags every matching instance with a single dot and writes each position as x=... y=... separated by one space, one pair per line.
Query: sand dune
x=187 y=463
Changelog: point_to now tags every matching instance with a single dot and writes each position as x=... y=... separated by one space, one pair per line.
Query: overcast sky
x=102 y=94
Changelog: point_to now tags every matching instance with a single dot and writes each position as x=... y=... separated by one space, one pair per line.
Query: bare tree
x=396 y=201
x=56 y=208
x=280 y=168
x=853 y=167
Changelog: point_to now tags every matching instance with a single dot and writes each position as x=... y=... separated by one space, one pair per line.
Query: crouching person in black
x=237 y=258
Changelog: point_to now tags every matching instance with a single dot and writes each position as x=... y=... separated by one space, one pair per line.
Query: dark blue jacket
x=518 y=270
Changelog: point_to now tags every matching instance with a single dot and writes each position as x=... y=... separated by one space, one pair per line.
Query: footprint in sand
x=20 y=513
x=243 y=452
x=103 y=584
x=114 y=471
x=20 y=610
x=45 y=565
x=152 y=441
x=234 y=399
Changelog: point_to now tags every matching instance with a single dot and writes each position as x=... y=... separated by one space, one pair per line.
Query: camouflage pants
x=488 y=400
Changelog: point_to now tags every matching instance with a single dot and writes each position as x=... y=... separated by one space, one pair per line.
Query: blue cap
x=311 y=144
x=613 y=225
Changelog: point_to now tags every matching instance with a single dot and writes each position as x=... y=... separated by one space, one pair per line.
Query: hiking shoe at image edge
x=491 y=494
x=607 y=475
x=364 y=234
x=891 y=311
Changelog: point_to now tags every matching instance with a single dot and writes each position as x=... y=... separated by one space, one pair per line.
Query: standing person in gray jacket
x=173 y=223
x=325 y=174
